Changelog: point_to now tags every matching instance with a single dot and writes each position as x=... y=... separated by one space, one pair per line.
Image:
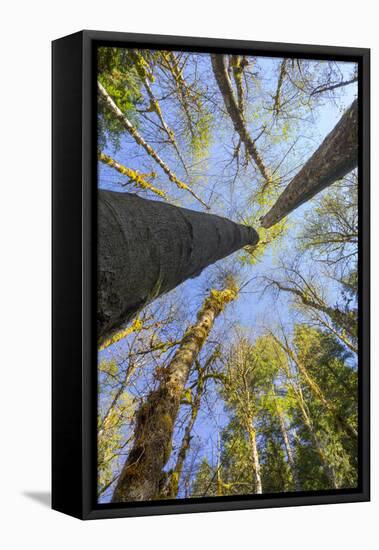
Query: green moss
x=218 y=299
x=134 y=176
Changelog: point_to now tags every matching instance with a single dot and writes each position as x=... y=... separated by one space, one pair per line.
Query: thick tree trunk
x=336 y=157
x=147 y=248
x=142 y=474
x=225 y=86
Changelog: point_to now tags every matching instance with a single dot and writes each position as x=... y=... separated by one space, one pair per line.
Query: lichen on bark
x=142 y=475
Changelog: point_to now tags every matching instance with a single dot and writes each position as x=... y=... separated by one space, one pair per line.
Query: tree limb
x=225 y=86
x=140 y=140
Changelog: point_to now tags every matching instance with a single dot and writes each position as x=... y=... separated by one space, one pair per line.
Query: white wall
x=26 y=31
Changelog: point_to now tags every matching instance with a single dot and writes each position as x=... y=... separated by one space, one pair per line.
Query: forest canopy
x=227 y=275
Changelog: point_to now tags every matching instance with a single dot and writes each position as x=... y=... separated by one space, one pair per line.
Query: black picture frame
x=74 y=275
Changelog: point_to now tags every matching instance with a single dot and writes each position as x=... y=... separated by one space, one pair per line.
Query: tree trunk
x=142 y=68
x=183 y=90
x=237 y=66
x=329 y=471
x=219 y=483
x=173 y=484
x=321 y=89
x=341 y=335
x=147 y=248
x=140 y=180
x=341 y=422
x=142 y=474
x=277 y=100
x=344 y=320
x=336 y=157
x=141 y=141
x=255 y=459
x=288 y=447
x=225 y=86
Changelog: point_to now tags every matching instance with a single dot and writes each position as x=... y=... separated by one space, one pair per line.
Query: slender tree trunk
x=288 y=447
x=172 y=487
x=225 y=86
x=141 y=64
x=246 y=413
x=172 y=65
x=140 y=140
x=322 y=89
x=142 y=473
x=219 y=483
x=237 y=66
x=341 y=422
x=338 y=333
x=345 y=321
x=342 y=319
x=147 y=248
x=329 y=471
x=255 y=458
x=336 y=157
x=136 y=177
x=173 y=484
x=136 y=326
x=277 y=100
x=105 y=420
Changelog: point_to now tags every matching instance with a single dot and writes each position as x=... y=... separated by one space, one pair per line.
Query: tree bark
x=336 y=157
x=245 y=408
x=141 y=66
x=322 y=89
x=141 y=141
x=255 y=459
x=277 y=100
x=173 y=484
x=140 y=180
x=147 y=248
x=344 y=320
x=329 y=471
x=288 y=447
x=142 y=474
x=225 y=86
x=237 y=66
x=183 y=91
x=341 y=422
x=337 y=333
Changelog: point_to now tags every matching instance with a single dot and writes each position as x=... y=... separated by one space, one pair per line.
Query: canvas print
x=227 y=279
